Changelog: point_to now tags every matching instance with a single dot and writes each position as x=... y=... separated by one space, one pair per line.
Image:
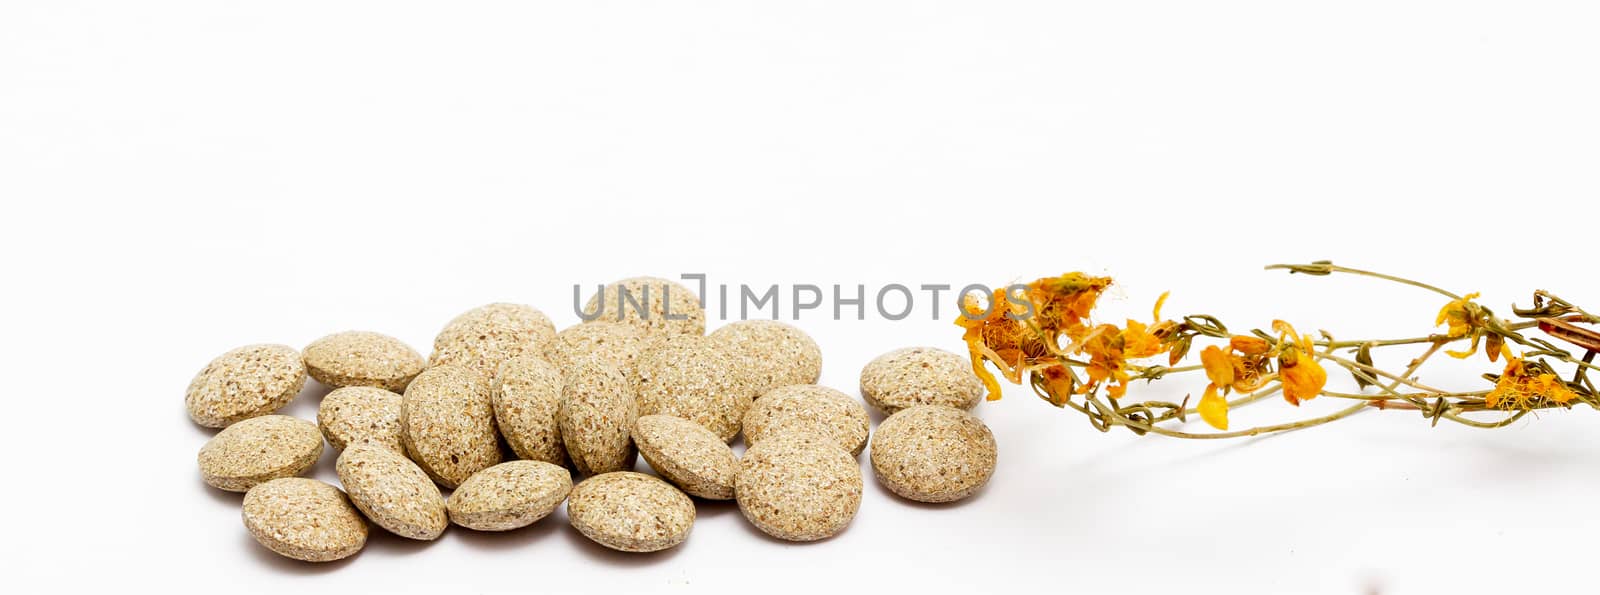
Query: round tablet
x=482 y=338
x=447 y=424
x=691 y=377
x=687 y=454
x=771 y=354
x=508 y=496
x=259 y=449
x=596 y=415
x=304 y=519
x=920 y=376
x=808 y=409
x=630 y=512
x=392 y=491
x=360 y=358
x=358 y=414
x=619 y=343
x=930 y=453
x=798 y=487
x=654 y=305
x=527 y=401
x=247 y=382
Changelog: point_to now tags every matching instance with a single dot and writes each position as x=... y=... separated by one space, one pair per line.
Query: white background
x=180 y=178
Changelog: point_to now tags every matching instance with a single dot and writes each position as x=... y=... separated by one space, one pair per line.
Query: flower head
x=1239 y=367
x=1303 y=377
x=1109 y=348
x=1464 y=318
x=1062 y=304
x=1521 y=386
x=997 y=335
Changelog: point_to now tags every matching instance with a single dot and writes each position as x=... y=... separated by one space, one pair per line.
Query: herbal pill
x=527 y=399
x=257 y=450
x=771 y=354
x=304 y=519
x=361 y=414
x=689 y=377
x=619 y=343
x=482 y=338
x=654 y=305
x=808 y=409
x=508 y=496
x=247 y=382
x=360 y=358
x=630 y=512
x=920 y=376
x=447 y=424
x=687 y=454
x=392 y=491
x=597 y=411
x=930 y=453
x=798 y=487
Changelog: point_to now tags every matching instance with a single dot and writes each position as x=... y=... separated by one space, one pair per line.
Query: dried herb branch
x=1041 y=334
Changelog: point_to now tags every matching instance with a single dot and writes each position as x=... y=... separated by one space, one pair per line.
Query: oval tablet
x=304 y=519
x=447 y=424
x=358 y=414
x=798 y=487
x=687 y=454
x=527 y=401
x=247 y=382
x=630 y=512
x=392 y=491
x=508 y=496
x=809 y=409
x=920 y=376
x=482 y=338
x=259 y=449
x=619 y=343
x=930 y=453
x=694 y=378
x=771 y=354
x=597 y=412
x=360 y=358
x=654 y=305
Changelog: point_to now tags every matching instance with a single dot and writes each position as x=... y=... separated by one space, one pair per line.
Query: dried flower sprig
x=1042 y=333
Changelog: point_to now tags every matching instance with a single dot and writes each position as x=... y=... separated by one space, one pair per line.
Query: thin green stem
x=1256 y=431
x=1333 y=268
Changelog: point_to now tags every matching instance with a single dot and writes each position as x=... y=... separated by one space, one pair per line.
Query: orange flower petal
x=1304 y=380
x=1248 y=345
x=1219 y=369
x=1213 y=408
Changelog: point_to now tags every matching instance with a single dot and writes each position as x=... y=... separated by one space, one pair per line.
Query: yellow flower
x=1213 y=408
x=1230 y=371
x=1004 y=335
x=1552 y=387
x=1062 y=304
x=1520 y=388
x=997 y=338
x=1240 y=371
x=1109 y=348
x=1219 y=367
x=1058 y=384
x=1303 y=378
x=1465 y=318
x=1104 y=346
x=1459 y=314
x=1138 y=342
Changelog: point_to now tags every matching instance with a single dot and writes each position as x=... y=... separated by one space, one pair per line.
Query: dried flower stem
x=1090 y=372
